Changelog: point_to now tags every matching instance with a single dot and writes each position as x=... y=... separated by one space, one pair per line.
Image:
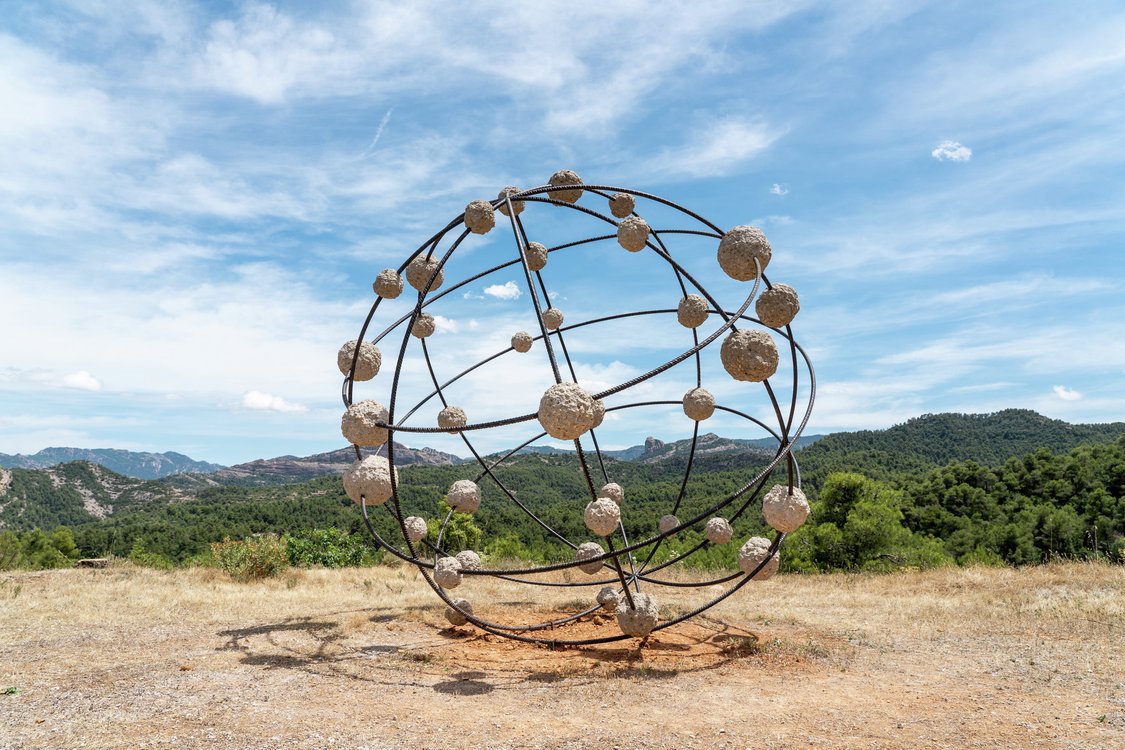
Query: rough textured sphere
x=639 y=620
x=424 y=326
x=536 y=255
x=753 y=552
x=370 y=480
x=456 y=616
x=737 y=250
x=469 y=560
x=622 y=204
x=632 y=234
x=366 y=366
x=416 y=529
x=719 y=531
x=586 y=551
x=552 y=318
x=599 y=413
x=517 y=205
x=749 y=355
x=420 y=270
x=566 y=411
x=778 y=305
x=452 y=418
x=479 y=217
x=613 y=491
x=565 y=177
x=668 y=522
x=602 y=516
x=464 y=496
x=607 y=597
x=783 y=511
x=699 y=404
x=447 y=572
x=388 y=284
x=360 y=423
x=692 y=311
x=522 y=341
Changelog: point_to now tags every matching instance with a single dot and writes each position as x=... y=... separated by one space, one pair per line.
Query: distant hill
x=709 y=443
x=130 y=463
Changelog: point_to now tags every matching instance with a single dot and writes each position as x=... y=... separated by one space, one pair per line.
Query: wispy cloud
x=258 y=401
x=1066 y=394
x=82 y=381
x=507 y=291
x=952 y=151
x=779 y=189
x=721 y=148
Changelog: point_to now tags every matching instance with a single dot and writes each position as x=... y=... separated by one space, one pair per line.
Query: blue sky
x=195 y=198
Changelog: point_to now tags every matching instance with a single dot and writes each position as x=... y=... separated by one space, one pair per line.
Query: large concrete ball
x=737 y=250
x=613 y=491
x=388 y=284
x=699 y=404
x=424 y=326
x=692 y=311
x=469 y=560
x=641 y=618
x=565 y=177
x=360 y=423
x=586 y=551
x=536 y=255
x=516 y=205
x=632 y=234
x=602 y=516
x=778 y=305
x=367 y=364
x=668 y=522
x=420 y=270
x=464 y=496
x=749 y=355
x=522 y=341
x=479 y=217
x=622 y=204
x=416 y=528
x=456 y=615
x=599 y=413
x=370 y=480
x=566 y=411
x=452 y=418
x=784 y=511
x=719 y=531
x=608 y=598
x=753 y=552
x=552 y=318
x=447 y=572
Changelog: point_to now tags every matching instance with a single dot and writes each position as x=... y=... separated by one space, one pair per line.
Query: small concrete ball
x=456 y=616
x=749 y=355
x=699 y=404
x=388 y=284
x=737 y=250
x=752 y=554
x=536 y=255
x=667 y=523
x=565 y=177
x=452 y=418
x=778 y=305
x=420 y=270
x=552 y=318
x=783 y=511
x=517 y=205
x=692 y=312
x=613 y=491
x=566 y=411
x=424 y=326
x=479 y=217
x=608 y=598
x=469 y=560
x=632 y=234
x=586 y=551
x=463 y=496
x=599 y=413
x=369 y=479
x=622 y=204
x=416 y=529
x=602 y=516
x=360 y=423
x=366 y=366
x=522 y=341
x=719 y=531
x=640 y=620
x=447 y=572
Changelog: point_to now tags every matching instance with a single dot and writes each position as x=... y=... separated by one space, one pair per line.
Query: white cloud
x=446 y=325
x=719 y=149
x=779 y=189
x=507 y=290
x=258 y=401
x=1066 y=394
x=952 y=151
x=82 y=381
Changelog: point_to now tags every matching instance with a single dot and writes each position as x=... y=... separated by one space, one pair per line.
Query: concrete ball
x=565 y=177
x=699 y=404
x=388 y=284
x=622 y=204
x=632 y=234
x=692 y=311
x=719 y=531
x=552 y=318
x=420 y=270
x=608 y=598
x=737 y=250
x=456 y=615
x=752 y=554
x=783 y=511
x=566 y=411
x=599 y=413
x=516 y=205
x=778 y=305
x=586 y=551
x=416 y=528
x=479 y=217
x=668 y=522
x=536 y=255
x=639 y=620
x=613 y=491
x=452 y=418
x=360 y=423
x=447 y=572
x=464 y=496
x=424 y=326
x=370 y=480
x=469 y=560
x=522 y=341
x=749 y=355
x=602 y=516
x=367 y=364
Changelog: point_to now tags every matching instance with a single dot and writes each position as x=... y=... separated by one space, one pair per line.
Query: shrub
x=251 y=559
x=331 y=548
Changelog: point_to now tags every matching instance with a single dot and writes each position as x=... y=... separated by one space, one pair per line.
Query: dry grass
x=981 y=657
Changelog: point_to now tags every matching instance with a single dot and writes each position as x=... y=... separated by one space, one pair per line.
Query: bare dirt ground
x=976 y=658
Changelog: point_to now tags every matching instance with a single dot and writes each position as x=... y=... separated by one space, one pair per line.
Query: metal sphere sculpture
x=621 y=574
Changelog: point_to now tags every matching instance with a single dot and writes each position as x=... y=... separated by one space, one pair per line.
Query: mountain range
x=130 y=463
